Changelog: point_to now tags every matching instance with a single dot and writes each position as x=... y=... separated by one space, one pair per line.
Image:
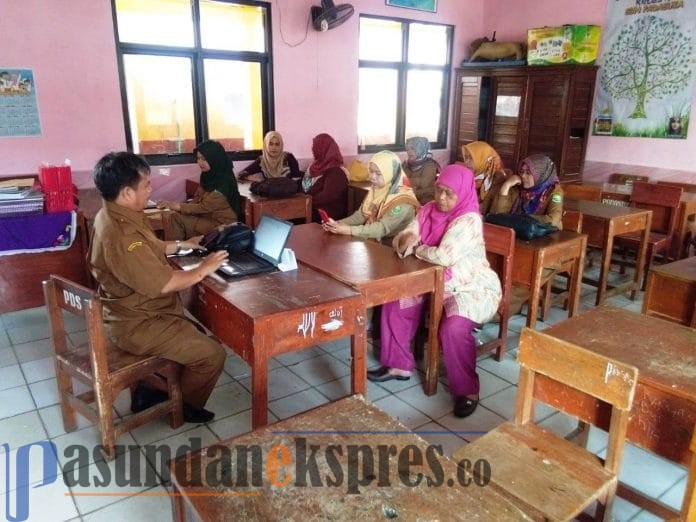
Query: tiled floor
x=29 y=412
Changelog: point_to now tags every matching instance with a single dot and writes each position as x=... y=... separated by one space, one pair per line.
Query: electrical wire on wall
x=282 y=36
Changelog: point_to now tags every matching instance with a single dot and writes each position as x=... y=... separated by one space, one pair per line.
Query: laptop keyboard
x=244 y=261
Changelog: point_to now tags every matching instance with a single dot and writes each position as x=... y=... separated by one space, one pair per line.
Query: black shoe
x=382 y=375
x=144 y=397
x=464 y=406
x=195 y=416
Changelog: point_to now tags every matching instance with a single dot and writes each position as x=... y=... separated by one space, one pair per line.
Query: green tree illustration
x=649 y=59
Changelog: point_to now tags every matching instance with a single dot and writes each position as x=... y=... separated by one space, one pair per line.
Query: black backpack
x=233 y=238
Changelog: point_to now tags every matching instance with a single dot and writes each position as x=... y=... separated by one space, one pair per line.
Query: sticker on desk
x=309 y=320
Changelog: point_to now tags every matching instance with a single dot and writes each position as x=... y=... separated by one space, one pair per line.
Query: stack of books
x=18 y=197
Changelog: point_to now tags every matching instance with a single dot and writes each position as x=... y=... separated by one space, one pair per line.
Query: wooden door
x=507 y=130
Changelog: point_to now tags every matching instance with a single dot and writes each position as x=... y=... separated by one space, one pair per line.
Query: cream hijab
x=381 y=199
x=272 y=166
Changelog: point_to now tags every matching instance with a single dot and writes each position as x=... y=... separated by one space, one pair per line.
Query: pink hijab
x=434 y=222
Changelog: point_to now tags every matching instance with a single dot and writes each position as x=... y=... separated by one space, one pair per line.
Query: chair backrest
x=688 y=510
x=626 y=179
x=572 y=220
x=663 y=200
x=606 y=379
x=582 y=192
x=686 y=187
x=190 y=187
x=62 y=294
x=500 y=246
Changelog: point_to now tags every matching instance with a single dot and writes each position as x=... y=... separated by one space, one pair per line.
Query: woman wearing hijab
x=420 y=168
x=326 y=180
x=488 y=171
x=388 y=207
x=216 y=201
x=535 y=191
x=448 y=232
x=274 y=162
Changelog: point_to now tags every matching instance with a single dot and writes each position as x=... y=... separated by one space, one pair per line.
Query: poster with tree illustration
x=648 y=69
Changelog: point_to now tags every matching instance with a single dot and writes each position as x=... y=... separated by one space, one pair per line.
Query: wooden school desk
x=376 y=271
x=263 y=315
x=664 y=408
x=671 y=292
x=348 y=424
x=602 y=223
x=552 y=251
x=297 y=206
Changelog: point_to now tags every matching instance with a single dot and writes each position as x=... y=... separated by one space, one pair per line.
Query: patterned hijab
x=220 y=177
x=272 y=166
x=326 y=155
x=533 y=200
x=393 y=193
x=421 y=147
x=485 y=162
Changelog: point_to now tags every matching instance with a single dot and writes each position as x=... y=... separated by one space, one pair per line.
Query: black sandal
x=464 y=406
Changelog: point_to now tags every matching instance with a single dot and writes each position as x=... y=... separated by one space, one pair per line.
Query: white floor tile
x=39 y=369
x=297 y=403
x=15 y=401
x=281 y=383
x=341 y=388
x=25 y=334
x=7 y=355
x=27 y=317
x=4 y=339
x=236 y=424
x=290 y=358
x=675 y=495
x=45 y=393
x=80 y=448
x=560 y=423
x=434 y=406
x=507 y=369
x=472 y=427
x=35 y=464
x=228 y=399
x=30 y=351
x=490 y=384
x=320 y=370
x=53 y=421
x=49 y=502
x=438 y=435
x=404 y=413
x=11 y=377
x=153 y=505
x=662 y=476
x=21 y=429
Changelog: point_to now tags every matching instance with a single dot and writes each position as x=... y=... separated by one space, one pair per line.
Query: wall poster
x=19 y=110
x=648 y=69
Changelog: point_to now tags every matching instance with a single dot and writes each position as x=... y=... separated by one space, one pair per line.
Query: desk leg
x=308 y=210
x=576 y=280
x=259 y=382
x=640 y=258
x=358 y=351
x=534 y=291
x=606 y=265
x=433 y=363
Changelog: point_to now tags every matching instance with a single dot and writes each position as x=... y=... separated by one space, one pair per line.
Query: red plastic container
x=57 y=186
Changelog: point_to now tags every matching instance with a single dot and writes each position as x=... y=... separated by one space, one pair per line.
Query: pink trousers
x=399 y=326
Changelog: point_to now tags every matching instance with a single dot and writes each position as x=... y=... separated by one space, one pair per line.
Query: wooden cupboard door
x=579 y=115
x=468 y=122
x=547 y=102
x=508 y=128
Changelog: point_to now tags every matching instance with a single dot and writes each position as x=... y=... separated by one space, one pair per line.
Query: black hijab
x=220 y=177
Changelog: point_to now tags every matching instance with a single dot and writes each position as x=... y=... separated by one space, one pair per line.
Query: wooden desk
x=621 y=195
x=664 y=408
x=671 y=292
x=602 y=223
x=376 y=271
x=298 y=206
x=348 y=424
x=264 y=315
x=552 y=251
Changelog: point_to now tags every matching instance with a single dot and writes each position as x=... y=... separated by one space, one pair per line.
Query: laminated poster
x=19 y=110
x=648 y=69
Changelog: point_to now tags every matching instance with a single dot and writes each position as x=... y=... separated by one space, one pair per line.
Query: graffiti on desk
x=309 y=320
x=336 y=320
x=613 y=370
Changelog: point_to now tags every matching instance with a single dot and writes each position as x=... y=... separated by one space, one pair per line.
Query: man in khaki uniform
x=142 y=311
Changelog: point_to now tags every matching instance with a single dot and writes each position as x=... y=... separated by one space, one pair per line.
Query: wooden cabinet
x=526 y=110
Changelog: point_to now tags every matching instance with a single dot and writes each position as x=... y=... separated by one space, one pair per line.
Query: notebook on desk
x=270 y=239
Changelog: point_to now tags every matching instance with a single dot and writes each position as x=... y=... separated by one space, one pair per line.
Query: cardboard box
x=564 y=44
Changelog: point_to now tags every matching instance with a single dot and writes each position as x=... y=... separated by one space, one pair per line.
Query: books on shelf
x=31 y=203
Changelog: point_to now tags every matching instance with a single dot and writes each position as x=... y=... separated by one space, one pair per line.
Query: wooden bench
x=670 y=292
x=549 y=477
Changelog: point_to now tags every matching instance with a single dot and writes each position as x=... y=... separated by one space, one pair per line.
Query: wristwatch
x=178 y=246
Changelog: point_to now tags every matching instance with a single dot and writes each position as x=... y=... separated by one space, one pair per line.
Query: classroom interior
x=70 y=47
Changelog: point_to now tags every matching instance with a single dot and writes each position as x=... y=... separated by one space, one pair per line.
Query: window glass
x=377 y=107
x=155 y=22
x=423 y=104
x=232 y=27
x=233 y=97
x=160 y=104
x=428 y=44
x=380 y=40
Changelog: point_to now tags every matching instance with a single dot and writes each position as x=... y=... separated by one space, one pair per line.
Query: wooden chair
x=688 y=239
x=571 y=220
x=664 y=201
x=626 y=179
x=582 y=192
x=548 y=476
x=500 y=247
x=688 y=510
x=101 y=366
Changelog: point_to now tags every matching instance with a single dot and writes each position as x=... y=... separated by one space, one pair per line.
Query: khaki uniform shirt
x=552 y=213
x=211 y=205
x=130 y=264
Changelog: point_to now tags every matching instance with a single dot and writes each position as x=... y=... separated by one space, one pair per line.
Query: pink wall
x=511 y=21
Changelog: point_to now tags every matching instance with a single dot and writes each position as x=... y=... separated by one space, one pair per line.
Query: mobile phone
x=323 y=215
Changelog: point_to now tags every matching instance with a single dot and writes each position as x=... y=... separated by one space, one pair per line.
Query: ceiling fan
x=330 y=15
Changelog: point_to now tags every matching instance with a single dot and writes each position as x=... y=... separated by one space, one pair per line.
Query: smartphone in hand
x=323 y=215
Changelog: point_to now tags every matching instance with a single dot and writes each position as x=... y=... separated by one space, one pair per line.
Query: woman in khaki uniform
x=488 y=171
x=535 y=191
x=138 y=287
x=216 y=201
x=420 y=168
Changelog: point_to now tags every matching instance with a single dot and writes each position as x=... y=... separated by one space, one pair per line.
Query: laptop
x=270 y=238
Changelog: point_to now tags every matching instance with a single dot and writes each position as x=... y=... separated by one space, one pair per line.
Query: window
x=193 y=70
x=404 y=82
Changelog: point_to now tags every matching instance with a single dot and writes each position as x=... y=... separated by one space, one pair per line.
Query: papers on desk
x=13 y=192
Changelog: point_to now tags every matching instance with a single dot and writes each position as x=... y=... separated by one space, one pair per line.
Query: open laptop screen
x=270 y=238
